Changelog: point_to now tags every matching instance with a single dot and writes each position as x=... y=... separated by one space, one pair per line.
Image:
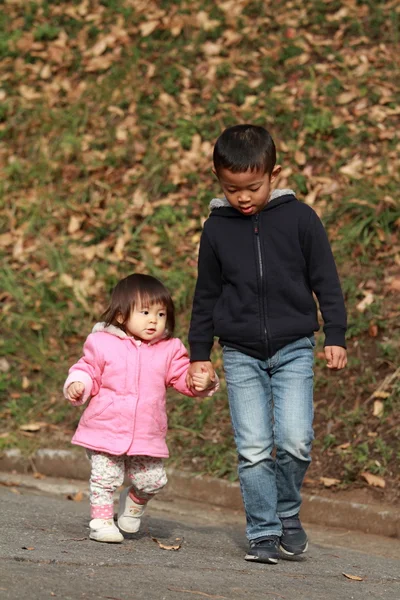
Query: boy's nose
x=244 y=197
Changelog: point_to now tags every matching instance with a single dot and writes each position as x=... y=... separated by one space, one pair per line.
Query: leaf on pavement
x=78 y=497
x=166 y=546
x=353 y=577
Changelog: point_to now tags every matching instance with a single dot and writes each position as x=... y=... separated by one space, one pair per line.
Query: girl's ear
x=120 y=318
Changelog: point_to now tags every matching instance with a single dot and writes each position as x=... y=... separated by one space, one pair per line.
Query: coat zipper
x=261 y=271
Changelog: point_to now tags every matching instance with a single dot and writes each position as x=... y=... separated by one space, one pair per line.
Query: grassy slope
x=108 y=113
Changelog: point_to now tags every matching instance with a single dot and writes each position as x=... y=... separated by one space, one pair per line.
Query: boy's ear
x=214 y=172
x=275 y=172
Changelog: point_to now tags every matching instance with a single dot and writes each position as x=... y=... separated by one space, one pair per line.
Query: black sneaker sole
x=293 y=552
x=266 y=560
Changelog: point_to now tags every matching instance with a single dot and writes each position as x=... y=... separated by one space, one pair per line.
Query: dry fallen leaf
x=373 y=480
x=368 y=299
x=353 y=577
x=378 y=408
x=329 y=481
x=166 y=546
x=382 y=395
x=346 y=97
x=31 y=426
x=78 y=497
x=373 y=330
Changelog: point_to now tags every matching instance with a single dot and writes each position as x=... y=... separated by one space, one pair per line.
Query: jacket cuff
x=335 y=336
x=83 y=378
x=200 y=351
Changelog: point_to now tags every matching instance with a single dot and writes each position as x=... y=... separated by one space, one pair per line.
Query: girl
x=128 y=362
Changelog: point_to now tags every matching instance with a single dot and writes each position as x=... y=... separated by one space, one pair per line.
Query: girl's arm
x=86 y=371
x=177 y=371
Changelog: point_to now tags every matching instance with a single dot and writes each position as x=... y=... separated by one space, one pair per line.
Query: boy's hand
x=202 y=381
x=199 y=367
x=75 y=391
x=336 y=357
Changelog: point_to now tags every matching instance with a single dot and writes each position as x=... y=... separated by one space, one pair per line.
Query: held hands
x=200 y=376
x=336 y=357
x=75 y=391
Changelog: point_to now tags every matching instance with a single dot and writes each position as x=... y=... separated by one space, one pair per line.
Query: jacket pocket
x=97 y=410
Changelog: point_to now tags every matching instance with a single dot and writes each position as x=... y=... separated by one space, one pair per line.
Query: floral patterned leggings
x=147 y=475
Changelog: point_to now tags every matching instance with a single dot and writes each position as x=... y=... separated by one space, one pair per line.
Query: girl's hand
x=336 y=357
x=75 y=391
x=202 y=381
x=199 y=367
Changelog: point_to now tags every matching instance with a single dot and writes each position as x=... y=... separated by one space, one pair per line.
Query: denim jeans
x=271 y=404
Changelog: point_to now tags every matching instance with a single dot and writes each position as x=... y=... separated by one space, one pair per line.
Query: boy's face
x=248 y=191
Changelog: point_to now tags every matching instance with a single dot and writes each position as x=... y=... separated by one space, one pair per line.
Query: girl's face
x=147 y=322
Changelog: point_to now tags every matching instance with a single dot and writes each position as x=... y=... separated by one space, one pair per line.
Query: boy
x=261 y=257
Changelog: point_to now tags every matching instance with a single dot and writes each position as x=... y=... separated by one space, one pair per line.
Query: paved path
x=45 y=553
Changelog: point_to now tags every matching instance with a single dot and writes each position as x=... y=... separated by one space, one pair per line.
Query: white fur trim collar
x=110 y=329
x=223 y=202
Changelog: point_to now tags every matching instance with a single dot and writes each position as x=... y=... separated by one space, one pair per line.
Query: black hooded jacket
x=256 y=278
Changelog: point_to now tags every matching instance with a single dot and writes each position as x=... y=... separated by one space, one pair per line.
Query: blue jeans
x=271 y=404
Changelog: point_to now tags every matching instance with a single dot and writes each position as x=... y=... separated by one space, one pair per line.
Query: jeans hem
x=288 y=515
x=264 y=535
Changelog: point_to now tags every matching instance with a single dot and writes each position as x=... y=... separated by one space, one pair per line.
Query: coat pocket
x=95 y=411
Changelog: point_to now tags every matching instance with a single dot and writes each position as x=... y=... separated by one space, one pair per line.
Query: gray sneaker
x=294 y=539
x=264 y=550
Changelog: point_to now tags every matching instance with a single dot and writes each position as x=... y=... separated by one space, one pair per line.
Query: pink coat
x=127 y=381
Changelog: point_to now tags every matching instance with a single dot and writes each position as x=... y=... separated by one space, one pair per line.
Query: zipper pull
x=256 y=225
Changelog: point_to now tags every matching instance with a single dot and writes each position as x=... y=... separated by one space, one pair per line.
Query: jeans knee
x=253 y=455
x=296 y=447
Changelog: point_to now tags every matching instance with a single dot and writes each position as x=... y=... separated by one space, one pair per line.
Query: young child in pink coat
x=128 y=362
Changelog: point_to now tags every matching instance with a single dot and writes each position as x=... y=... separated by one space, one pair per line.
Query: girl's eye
x=161 y=314
x=145 y=312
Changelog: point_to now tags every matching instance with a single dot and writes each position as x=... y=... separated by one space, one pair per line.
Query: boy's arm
x=325 y=282
x=207 y=291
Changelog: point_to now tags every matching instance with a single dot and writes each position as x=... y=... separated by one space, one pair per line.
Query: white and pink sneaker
x=129 y=513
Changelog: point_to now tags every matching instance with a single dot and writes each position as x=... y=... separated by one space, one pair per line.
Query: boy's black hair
x=135 y=289
x=244 y=147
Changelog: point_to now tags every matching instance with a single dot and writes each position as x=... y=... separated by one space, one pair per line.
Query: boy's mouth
x=246 y=210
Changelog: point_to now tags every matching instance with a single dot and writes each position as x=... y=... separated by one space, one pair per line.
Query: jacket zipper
x=261 y=271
